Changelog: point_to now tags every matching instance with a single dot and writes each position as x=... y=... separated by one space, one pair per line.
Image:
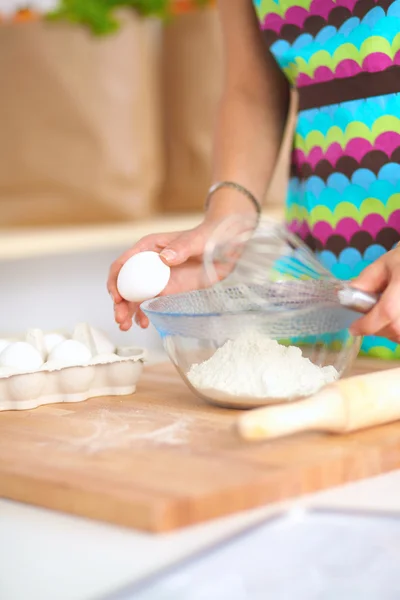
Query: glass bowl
x=194 y=325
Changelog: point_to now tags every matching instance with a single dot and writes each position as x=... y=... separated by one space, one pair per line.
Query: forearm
x=253 y=110
x=247 y=142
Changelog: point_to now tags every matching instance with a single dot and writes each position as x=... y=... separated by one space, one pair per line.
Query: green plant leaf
x=99 y=15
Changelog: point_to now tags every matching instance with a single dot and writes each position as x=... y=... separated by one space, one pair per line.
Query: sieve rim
x=279 y=312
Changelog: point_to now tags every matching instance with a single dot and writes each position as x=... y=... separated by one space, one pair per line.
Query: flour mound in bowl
x=256 y=366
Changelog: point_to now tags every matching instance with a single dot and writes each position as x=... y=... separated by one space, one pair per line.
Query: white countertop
x=46 y=556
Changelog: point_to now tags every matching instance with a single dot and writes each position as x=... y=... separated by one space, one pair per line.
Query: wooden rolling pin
x=344 y=406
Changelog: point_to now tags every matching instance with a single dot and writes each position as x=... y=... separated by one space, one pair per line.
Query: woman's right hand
x=182 y=251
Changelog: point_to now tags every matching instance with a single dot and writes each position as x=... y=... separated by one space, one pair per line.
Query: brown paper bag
x=192 y=84
x=79 y=124
x=89 y=126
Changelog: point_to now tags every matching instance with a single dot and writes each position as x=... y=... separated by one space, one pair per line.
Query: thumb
x=374 y=278
x=188 y=244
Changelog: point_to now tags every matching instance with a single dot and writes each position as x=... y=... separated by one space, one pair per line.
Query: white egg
x=71 y=353
x=4 y=344
x=51 y=340
x=142 y=277
x=22 y=356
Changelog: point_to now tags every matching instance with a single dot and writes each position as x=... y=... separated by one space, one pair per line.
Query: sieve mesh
x=203 y=314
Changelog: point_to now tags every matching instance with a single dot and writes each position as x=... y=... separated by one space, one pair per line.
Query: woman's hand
x=182 y=251
x=383 y=276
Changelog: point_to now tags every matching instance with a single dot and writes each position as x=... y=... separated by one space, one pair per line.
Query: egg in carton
x=45 y=368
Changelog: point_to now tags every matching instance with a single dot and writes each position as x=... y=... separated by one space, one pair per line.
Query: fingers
x=187 y=245
x=374 y=278
x=384 y=318
x=141 y=319
x=123 y=314
x=392 y=332
x=126 y=312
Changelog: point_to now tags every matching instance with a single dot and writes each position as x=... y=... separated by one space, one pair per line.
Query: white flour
x=254 y=365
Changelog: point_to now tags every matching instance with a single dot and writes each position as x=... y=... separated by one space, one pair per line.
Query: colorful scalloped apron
x=343 y=56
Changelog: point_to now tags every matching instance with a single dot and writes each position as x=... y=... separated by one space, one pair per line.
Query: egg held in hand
x=142 y=277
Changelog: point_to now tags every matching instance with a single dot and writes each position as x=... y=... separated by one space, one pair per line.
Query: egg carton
x=105 y=370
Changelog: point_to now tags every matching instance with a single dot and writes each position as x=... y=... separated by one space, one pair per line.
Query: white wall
x=56 y=292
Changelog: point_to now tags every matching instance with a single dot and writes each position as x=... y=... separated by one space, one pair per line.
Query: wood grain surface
x=162 y=459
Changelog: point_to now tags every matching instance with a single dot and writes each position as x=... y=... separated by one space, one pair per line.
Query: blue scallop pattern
x=349 y=264
x=365 y=111
x=338 y=188
x=375 y=23
x=374 y=252
x=370 y=342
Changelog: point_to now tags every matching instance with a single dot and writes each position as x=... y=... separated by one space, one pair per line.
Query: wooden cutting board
x=162 y=459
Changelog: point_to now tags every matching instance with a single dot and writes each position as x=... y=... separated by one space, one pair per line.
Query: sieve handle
x=357 y=300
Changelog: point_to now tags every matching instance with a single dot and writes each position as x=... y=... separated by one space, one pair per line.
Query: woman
x=344 y=191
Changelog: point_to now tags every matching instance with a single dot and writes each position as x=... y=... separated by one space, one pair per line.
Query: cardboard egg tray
x=112 y=374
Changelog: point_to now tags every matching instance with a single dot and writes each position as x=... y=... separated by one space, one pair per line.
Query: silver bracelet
x=236 y=186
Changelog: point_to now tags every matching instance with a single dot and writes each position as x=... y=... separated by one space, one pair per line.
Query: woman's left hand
x=382 y=277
